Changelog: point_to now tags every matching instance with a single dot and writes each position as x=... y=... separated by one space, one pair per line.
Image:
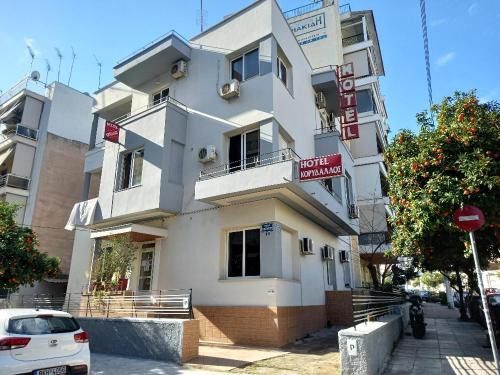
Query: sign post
x=470 y=219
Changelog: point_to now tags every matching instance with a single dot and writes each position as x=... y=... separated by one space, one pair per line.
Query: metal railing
x=261 y=160
x=12 y=180
x=372 y=304
x=172 y=303
x=144 y=108
x=350 y=40
x=296 y=12
x=21 y=130
x=23 y=84
x=345 y=8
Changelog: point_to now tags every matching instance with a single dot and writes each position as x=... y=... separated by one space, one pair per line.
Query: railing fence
x=372 y=304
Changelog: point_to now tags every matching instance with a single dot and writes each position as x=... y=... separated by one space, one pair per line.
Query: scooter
x=417 y=319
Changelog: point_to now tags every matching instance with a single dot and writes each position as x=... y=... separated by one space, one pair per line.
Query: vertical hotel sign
x=348 y=112
x=112 y=132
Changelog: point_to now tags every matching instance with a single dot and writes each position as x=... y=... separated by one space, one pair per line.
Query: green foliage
x=432 y=279
x=440 y=169
x=20 y=261
x=114 y=261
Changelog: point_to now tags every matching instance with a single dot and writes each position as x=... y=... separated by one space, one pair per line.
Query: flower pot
x=122 y=284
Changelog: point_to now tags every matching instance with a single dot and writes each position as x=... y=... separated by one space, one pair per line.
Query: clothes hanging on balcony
x=82 y=214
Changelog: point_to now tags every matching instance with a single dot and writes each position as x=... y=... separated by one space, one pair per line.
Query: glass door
x=146 y=269
x=251 y=149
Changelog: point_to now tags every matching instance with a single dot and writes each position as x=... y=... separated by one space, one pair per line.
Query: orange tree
x=431 y=174
x=20 y=261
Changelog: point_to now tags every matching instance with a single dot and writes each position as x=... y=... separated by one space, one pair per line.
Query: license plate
x=51 y=371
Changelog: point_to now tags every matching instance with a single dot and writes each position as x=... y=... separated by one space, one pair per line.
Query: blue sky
x=464 y=42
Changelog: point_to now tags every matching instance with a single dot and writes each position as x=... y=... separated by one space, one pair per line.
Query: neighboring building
x=43 y=139
x=205 y=175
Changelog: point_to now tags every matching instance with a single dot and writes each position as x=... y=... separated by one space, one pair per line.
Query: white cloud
x=445 y=59
x=493 y=94
x=472 y=8
x=438 y=22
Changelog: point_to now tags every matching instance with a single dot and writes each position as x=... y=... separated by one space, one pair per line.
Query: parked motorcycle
x=417 y=318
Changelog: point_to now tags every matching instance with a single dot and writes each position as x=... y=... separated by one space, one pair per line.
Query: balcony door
x=146 y=267
x=244 y=150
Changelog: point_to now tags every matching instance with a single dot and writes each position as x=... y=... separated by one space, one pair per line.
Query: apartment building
x=204 y=178
x=44 y=132
x=354 y=40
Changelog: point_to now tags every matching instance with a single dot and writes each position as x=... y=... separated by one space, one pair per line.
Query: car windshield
x=494 y=300
x=42 y=325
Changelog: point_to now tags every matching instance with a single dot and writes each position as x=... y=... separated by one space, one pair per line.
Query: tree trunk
x=373 y=273
x=463 y=310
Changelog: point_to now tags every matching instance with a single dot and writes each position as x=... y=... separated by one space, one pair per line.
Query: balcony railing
x=274 y=157
x=345 y=8
x=12 y=180
x=27 y=83
x=373 y=304
x=153 y=104
x=20 y=130
x=350 y=40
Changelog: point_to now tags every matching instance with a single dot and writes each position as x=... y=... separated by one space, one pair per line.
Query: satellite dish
x=35 y=75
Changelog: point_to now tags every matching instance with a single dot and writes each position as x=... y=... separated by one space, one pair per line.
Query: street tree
x=447 y=164
x=20 y=261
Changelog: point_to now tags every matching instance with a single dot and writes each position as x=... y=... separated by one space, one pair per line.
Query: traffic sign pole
x=486 y=310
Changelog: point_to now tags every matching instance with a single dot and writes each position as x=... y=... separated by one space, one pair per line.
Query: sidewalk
x=449 y=347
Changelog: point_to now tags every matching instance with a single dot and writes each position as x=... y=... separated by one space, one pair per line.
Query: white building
x=205 y=175
x=44 y=133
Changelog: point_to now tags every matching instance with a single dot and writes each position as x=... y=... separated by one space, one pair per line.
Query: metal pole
x=487 y=316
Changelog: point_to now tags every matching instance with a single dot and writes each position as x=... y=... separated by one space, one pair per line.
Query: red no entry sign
x=468 y=218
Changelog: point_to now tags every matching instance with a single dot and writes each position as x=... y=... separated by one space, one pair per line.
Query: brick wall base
x=190 y=339
x=258 y=325
x=339 y=308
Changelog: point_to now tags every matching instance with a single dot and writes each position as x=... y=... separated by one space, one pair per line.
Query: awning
x=138 y=232
x=6 y=154
x=82 y=214
x=9 y=113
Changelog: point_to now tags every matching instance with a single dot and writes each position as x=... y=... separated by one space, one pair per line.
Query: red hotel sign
x=320 y=167
x=111 y=132
x=348 y=113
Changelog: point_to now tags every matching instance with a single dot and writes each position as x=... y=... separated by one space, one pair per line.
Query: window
x=243 y=253
x=160 y=96
x=364 y=101
x=131 y=169
x=282 y=71
x=348 y=190
x=246 y=66
x=244 y=150
x=42 y=325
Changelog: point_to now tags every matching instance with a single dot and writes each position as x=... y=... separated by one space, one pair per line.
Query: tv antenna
x=72 y=62
x=99 y=64
x=202 y=15
x=59 y=56
x=32 y=54
x=47 y=66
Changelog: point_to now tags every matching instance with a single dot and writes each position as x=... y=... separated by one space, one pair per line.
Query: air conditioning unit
x=230 y=90
x=344 y=256
x=178 y=69
x=320 y=100
x=353 y=211
x=207 y=154
x=327 y=253
x=306 y=246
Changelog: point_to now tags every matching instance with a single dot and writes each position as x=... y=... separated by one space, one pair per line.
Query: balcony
x=12 y=132
x=152 y=60
x=14 y=181
x=274 y=175
x=324 y=79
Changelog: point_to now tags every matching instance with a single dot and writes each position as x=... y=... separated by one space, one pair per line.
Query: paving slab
x=450 y=346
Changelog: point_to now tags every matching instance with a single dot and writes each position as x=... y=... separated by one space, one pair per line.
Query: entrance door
x=146 y=268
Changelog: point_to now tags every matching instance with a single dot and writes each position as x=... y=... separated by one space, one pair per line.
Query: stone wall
x=172 y=340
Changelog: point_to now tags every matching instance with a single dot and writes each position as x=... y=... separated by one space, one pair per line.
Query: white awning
x=9 y=113
x=6 y=154
x=138 y=232
x=82 y=214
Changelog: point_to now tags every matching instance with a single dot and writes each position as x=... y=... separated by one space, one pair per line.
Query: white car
x=42 y=342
